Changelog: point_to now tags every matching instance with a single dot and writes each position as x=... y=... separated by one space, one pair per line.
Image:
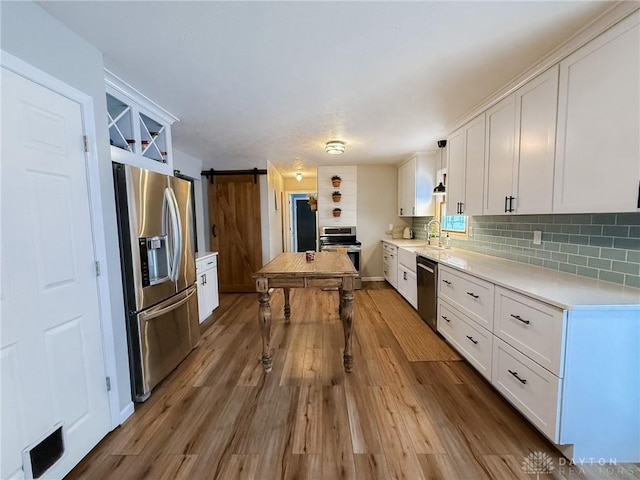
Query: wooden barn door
x=235 y=231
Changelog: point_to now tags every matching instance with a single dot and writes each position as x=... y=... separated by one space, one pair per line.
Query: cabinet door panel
x=455 y=170
x=536 y=107
x=597 y=166
x=499 y=155
x=474 y=178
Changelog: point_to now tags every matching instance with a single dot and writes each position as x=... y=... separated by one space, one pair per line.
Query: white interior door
x=51 y=348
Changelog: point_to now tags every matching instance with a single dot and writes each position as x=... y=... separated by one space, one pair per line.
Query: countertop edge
x=203 y=255
x=520 y=269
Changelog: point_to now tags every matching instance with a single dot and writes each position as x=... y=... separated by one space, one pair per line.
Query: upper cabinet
x=416 y=178
x=139 y=130
x=520 y=136
x=465 y=168
x=598 y=147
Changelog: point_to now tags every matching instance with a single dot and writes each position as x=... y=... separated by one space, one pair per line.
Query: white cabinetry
x=407 y=278
x=499 y=161
x=139 y=130
x=598 y=149
x=521 y=148
x=529 y=387
x=465 y=169
x=207 y=276
x=471 y=295
x=416 y=178
x=390 y=263
x=470 y=339
x=557 y=366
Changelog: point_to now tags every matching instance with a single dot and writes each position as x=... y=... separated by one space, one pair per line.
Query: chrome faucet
x=434 y=221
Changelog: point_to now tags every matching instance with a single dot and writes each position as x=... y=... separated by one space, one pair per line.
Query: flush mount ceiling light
x=334 y=147
x=299 y=176
x=440 y=189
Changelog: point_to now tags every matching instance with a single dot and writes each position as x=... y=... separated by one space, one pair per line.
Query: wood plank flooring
x=410 y=409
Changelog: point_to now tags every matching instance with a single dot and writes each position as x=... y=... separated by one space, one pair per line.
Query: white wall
x=32 y=35
x=348 y=203
x=275 y=186
x=377 y=208
x=191 y=167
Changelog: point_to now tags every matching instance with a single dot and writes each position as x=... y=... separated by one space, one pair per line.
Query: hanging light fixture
x=334 y=147
x=299 y=176
x=440 y=189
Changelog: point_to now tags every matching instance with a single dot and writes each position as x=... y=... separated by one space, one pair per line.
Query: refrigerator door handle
x=156 y=311
x=176 y=231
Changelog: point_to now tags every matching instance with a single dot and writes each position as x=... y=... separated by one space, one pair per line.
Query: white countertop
x=563 y=290
x=201 y=255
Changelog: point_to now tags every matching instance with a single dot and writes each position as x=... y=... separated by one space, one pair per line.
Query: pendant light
x=440 y=189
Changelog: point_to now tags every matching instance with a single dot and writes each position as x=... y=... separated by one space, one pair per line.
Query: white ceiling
x=256 y=81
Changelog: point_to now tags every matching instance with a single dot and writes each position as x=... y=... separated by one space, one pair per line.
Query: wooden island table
x=291 y=270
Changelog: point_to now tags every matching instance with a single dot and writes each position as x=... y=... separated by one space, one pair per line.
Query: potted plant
x=336 y=196
x=337 y=212
x=313 y=201
x=335 y=180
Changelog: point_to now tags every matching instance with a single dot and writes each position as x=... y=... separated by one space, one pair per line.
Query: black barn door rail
x=211 y=173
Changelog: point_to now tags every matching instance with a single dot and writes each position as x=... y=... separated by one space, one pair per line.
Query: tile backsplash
x=604 y=246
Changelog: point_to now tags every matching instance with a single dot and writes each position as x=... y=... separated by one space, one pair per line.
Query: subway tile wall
x=603 y=246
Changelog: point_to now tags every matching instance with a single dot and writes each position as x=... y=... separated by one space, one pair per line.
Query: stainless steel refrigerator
x=155 y=216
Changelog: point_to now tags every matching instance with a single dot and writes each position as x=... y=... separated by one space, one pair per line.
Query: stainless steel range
x=334 y=238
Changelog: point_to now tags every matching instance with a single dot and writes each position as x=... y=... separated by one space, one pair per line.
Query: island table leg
x=287 y=306
x=346 y=315
x=264 y=318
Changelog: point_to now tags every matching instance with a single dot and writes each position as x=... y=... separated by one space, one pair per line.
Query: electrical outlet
x=537 y=237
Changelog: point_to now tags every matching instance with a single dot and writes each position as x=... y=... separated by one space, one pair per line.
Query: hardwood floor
x=401 y=413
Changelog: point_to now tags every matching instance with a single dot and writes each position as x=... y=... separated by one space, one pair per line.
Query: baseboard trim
x=373 y=279
x=126 y=412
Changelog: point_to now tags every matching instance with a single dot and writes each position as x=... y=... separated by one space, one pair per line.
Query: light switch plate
x=537 y=237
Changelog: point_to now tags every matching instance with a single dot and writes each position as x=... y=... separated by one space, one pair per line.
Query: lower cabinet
x=390 y=263
x=470 y=339
x=572 y=373
x=408 y=285
x=530 y=388
x=207 y=276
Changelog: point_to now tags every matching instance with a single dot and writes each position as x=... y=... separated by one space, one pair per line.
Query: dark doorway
x=305 y=225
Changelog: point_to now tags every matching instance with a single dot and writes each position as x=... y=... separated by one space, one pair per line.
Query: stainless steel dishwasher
x=427 y=290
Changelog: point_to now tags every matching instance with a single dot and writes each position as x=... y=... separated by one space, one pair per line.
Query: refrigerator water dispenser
x=154 y=260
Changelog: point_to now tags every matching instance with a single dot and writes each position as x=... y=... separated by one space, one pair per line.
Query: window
x=452 y=223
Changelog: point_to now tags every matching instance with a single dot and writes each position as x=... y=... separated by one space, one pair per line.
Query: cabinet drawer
x=204 y=264
x=470 y=339
x=388 y=248
x=529 y=387
x=407 y=258
x=533 y=327
x=471 y=295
